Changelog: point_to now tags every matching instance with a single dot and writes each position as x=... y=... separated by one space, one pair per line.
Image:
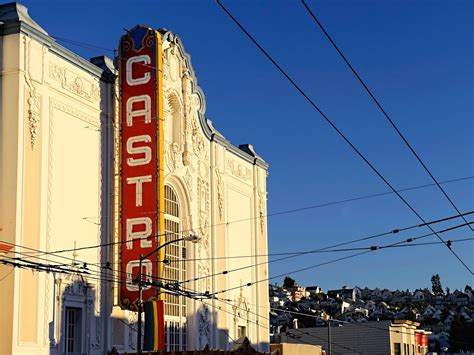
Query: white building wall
x=58 y=131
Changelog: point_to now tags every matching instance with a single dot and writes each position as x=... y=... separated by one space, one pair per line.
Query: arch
x=182 y=192
x=177 y=208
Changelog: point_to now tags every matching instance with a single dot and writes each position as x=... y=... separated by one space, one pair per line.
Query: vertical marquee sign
x=141 y=161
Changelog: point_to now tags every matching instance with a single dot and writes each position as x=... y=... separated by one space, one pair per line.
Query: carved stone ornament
x=203 y=204
x=241 y=308
x=74 y=83
x=33 y=116
x=204 y=283
x=173 y=156
x=198 y=141
x=220 y=192
x=188 y=179
x=76 y=288
x=33 y=100
x=238 y=170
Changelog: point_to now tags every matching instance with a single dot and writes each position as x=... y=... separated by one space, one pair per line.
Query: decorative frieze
x=74 y=84
x=220 y=192
x=238 y=170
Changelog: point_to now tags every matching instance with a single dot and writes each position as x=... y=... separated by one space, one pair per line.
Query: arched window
x=175 y=306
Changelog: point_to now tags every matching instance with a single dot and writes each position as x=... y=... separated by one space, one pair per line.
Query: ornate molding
x=188 y=180
x=197 y=140
x=33 y=100
x=74 y=83
x=203 y=207
x=173 y=156
x=49 y=197
x=220 y=192
x=33 y=116
x=238 y=170
x=73 y=112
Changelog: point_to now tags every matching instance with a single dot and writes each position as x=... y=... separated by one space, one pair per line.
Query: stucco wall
x=53 y=117
x=58 y=188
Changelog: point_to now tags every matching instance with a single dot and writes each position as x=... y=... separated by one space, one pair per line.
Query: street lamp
x=188 y=238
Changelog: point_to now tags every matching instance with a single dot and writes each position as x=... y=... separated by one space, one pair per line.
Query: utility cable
x=339 y=132
x=324 y=263
x=394 y=231
x=389 y=119
x=225 y=272
x=176 y=283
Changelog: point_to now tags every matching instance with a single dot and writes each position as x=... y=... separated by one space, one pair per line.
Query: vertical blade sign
x=139 y=58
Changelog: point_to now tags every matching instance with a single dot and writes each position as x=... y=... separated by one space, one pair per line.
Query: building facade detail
x=60 y=120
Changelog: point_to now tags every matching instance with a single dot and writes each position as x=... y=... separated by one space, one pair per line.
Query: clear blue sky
x=417 y=57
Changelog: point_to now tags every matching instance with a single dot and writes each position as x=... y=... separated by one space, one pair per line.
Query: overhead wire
x=174 y=284
x=187 y=293
x=318 y=250
x=224 y=272
x=329 y=262
x=76 y=249
x=338 y=131
x=378 y=104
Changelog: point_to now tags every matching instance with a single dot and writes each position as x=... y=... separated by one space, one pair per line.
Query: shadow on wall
x=203 y=322
x=77 y=325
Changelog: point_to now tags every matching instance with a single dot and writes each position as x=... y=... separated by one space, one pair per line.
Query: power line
x=317 y=251
x=173 y=233
x=322 y=249
x=224 y=272
x=389 y=119
x=176 y=283
x=331 y=262
x=269 y=215
x=339 y=132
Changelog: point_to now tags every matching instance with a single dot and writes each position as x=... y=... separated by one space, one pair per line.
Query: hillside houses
x=311 y=307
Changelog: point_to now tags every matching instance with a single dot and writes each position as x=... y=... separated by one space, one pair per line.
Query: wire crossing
x=338 y=131
x=376 y=101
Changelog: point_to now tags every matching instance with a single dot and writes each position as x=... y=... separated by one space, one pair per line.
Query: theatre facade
x=62 y=204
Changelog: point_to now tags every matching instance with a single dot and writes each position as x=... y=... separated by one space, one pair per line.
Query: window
x=73 y=331
x=241 y=332
x=175 y=306
x=397 y=349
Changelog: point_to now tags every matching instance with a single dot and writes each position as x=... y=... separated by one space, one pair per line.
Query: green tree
x=436 y=285
x=462 y=335
x=288 y=282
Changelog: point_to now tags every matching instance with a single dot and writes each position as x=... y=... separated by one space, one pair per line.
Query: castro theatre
x=103 y=161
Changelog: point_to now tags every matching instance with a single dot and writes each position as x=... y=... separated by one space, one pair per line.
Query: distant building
x=371 y=338
x=343 y=293
x=314 y=290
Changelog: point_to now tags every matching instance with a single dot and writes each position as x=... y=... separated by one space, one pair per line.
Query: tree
x=462 y=335
x=288 y=282
x=436 y=285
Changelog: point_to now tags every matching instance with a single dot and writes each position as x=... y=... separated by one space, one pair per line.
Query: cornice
x=211 y=133
x=14 y=19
